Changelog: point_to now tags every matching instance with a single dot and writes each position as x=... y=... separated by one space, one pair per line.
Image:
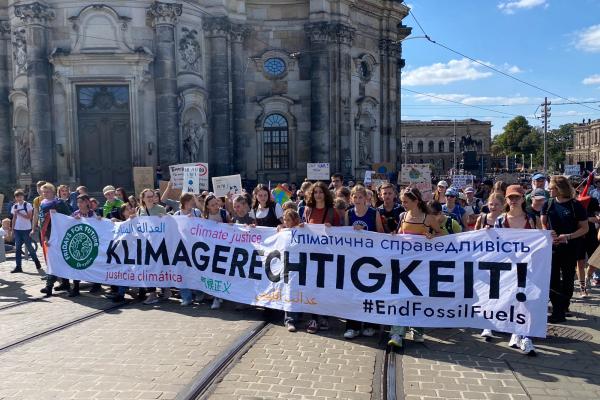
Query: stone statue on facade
x=364 y=140
x=467 y=143
x=189 y=50
x=24 y=150
x=193 y=134
x=20 y=52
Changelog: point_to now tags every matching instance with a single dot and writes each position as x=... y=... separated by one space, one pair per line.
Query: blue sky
x=554 y=44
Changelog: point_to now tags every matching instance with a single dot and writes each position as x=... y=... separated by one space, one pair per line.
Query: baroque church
x=88 y=90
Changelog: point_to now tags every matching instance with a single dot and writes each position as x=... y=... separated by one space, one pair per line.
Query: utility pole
x=545 y=115
x=454 y=151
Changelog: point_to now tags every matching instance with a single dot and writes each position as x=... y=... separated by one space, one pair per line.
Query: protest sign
x=574 y=169
x=223 y=186
x=143 y=177
x=317 y=171
x=491 y=278
x=176 y=173
x=462 y=181
x=368 y=177
x=419 y=176
x=195 y=179
x=378 y=179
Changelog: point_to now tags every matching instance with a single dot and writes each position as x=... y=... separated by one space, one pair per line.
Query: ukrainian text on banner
x=495 y=278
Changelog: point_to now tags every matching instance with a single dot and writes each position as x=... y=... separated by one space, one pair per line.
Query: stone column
x=403 y=32
x=5 y=137
x=35 y=17
x=240 y=141
x=320 y=87
x=217 y=32
x=165 y=81
x=344 y=38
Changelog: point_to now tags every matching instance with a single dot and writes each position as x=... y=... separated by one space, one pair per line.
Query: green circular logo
x=80 y=246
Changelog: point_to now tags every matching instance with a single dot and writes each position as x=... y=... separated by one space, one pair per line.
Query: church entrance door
x=104 y=136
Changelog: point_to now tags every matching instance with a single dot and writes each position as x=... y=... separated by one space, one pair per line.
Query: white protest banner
x=491 y=278
x=462 y=181
x=225 y=185
x=419 y=176
x=176 y=173
x=368 y=177
x=195 y=179
x=572 y=170
x=317 y=171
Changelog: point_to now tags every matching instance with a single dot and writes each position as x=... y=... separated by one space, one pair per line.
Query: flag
x=281 y=195
x=584 y=198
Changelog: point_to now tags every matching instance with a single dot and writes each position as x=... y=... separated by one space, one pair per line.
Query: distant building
x=586 y=143
x=433 y=142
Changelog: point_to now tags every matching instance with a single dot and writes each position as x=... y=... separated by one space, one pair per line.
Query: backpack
x=223 y=213
x=551 y=204
x=448 y=226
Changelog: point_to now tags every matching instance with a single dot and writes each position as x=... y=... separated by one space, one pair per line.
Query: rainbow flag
x=281 y=195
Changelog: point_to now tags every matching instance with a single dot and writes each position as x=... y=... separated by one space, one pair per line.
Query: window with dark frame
x=275 y=142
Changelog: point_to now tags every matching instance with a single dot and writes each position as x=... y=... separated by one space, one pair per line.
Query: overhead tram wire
x=428 y=38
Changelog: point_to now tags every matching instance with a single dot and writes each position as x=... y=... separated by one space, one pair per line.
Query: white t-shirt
x=2 y=233
x=22 y=223
x=263 y=212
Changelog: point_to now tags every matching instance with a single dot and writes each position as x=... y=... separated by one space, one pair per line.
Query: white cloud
x=592 y=80
x=514 y=69
x=473 y=100
x=589 y=39
x=510 y=7
x=443 y=74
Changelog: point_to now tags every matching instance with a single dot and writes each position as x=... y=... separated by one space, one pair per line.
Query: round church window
x=274 y=67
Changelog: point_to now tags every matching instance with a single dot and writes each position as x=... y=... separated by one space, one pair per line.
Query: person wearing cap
x=538 y=199
x=112 y=202
x=453 y=209
x=473 y=206
x=539 y=182
x=440 y=193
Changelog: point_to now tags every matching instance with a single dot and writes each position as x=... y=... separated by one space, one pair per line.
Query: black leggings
x=564 y=261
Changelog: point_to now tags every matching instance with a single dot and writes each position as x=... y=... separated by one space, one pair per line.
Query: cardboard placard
x=143 y=177
x=195 y=179
x=462 y=181
x=176 y=173
x=317 y=171
x=368 y=177
x=175 y=193
x=419 y=176
x=574 y=169
x=223 y=186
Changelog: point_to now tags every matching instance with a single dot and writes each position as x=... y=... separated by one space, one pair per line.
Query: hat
x=452 y=192
x=514 y=189
x=538 y=176
x=469 y=189
x=107 y=189
x=443 y=183
x=462 y=196
x=538 y=194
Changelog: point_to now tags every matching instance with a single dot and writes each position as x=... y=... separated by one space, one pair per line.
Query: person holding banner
x=440 y=193
x=361 y=217
x=453 y=208
x=390 y=210
x=567 y=219
x=291 y=219
x=415 y=221
x=265 y=211
x=494 y=205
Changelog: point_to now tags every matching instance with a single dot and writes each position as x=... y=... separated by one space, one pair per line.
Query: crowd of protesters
x=553 y=203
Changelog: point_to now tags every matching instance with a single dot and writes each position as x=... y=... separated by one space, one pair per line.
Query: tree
x=516 y=134
x=558 y=141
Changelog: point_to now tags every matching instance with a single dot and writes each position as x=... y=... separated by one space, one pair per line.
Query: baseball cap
x=108 y=188
x=452 y=192
x=443 y=183
x=537 y=176
x=514 y=190
x=469 y=189
x=538 y=194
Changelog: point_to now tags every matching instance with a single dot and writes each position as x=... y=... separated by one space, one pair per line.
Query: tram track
x=206 y=381
x=391 y=386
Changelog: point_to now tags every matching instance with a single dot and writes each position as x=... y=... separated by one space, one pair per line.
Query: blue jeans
x=292 y=317
x=22 y=238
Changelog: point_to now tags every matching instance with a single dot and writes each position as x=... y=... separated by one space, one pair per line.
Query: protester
x=83 y=211
x=22 y=214
x=440 y=193
x=589 y=243
x=186 y=208
x=447 y=224
x=453 y=209
x=538 y=182
x=265 y=211
x=7 y=233
x=112 y=202
x=390 y=210
x=121 y=194
x=495 y=204
x=567 y=220
x=214 y=212
x=241 y=211
x=337 y=181
x=291 y=219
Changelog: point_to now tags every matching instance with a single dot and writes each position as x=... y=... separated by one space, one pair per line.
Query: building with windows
x=586 y=144
x=437 y=142
x=89 y=89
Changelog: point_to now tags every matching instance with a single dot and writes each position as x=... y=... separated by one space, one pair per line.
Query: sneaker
x=351 y=334
x=556 y=319
x=323 y=324
x=417 y=337
x=216 y=304
x=16 y=270
x=185 y=303
x=487 y=334
x=166 y=294
x=290 y=326
x=62 y=287
x=527 y=347
x=199 y=297
x=312 y=327
x=515 y=341
x=118 y=298
x=396 y=341
x=151 y=298
x=368 y=332
x=47 y=291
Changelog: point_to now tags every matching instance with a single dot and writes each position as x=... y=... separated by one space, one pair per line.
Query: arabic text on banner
x=495 y=278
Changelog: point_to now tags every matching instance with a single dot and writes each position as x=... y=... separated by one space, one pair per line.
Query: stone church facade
x=261 y=87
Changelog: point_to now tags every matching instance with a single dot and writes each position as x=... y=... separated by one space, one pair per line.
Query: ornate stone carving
x=164 y=13
x=365 y=66
x=24 y=139
x=330 y=32
x=35 y=12
x=389 y=47
x=4 y=28
x=20 y=51
x=365 y=125
x=190 y=51
x=216 y=26
x=240 y=32
x=193 y=138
